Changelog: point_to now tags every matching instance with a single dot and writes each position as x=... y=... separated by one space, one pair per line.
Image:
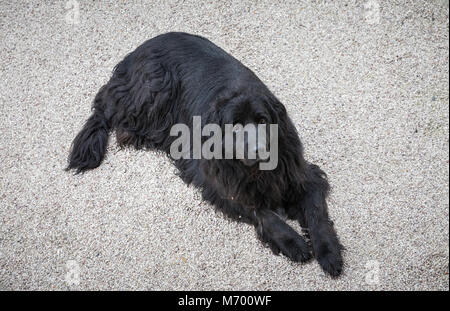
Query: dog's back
x=149 y=90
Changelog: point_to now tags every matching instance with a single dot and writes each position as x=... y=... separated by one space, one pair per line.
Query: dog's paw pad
x=296 y=250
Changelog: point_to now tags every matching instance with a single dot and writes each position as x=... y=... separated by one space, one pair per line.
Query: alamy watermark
x=250 y=143
x=372 y=12
x=72 y=12
x=372 y=276
x=72 y=276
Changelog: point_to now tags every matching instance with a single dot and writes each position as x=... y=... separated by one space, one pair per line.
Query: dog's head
x=251 y=120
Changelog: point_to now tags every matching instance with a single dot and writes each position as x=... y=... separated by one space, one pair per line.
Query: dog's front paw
x=295 y=249
x=330 y=259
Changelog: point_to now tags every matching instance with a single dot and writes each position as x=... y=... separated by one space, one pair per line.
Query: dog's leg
x=326 y=246
x=272 y=229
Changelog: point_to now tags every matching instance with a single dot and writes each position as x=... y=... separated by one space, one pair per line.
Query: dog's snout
x=253 y=156
x=250 y=162
x=260 y=149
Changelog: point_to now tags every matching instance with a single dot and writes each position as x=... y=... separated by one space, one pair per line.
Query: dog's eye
x=237 y=128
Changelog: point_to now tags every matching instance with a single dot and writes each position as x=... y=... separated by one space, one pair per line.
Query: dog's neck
x=245 y=185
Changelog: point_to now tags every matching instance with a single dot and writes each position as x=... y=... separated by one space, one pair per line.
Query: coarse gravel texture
x=366 y=85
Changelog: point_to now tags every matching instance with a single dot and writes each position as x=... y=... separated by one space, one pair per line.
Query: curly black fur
x=175 y=76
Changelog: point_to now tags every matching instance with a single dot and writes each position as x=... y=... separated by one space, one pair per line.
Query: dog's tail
x=89 y=146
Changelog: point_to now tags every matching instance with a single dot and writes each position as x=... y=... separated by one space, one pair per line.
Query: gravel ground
x=366 y=85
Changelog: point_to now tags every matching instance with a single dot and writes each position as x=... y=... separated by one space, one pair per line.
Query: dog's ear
x=277 y=110
x=288 y=140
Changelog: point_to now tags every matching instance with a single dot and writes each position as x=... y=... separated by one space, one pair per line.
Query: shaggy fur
x=175 y=76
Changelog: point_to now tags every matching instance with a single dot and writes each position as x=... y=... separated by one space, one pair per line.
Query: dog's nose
x=250 y=162
x=259 y=151
x=255 y=156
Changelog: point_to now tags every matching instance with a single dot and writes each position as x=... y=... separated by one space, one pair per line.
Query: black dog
x=176 y=76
